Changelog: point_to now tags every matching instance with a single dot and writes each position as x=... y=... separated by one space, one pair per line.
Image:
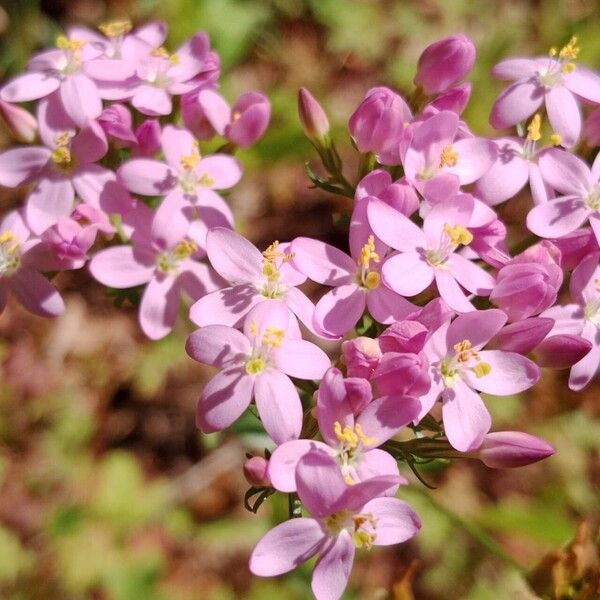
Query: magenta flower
x=257 y=364
x=343 y=517
x=254 y=278
x=162 y=256
x=350 y=438
x=161 y=75
x=434 y=151
x=356 y=281
x=428 y=254
x=568 y=175
x=460 y=368
x=20 y=270
x=444 y=63
x=243 y=124
x=581 y=318
x=63 y=70
x=555 y=80
x=186 y=178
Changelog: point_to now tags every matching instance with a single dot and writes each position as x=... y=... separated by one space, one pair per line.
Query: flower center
x=352 y=443
x=169 y=261
x=365 y=277
x=464 y=357
x=272 y=262
x=593 y=198
x=261 y=356
x=10 y=257
x=591 y=311
x=562 y=61
x=72 y=49
x=360 y=526
x=61 y=156
x=452 y=237
x=448 y=157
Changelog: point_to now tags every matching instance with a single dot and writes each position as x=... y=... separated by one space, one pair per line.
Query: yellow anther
x=63 y=139
x=190 y=161
x=556 y=139
x=272 y=252
x=482 y=369
x=116 y=28
x=448 y=157
x=273 y=337
x=368 y=254
x=570 y=50
x=533 y=129
x=270 y=271
x=185 y=249
x=360 y=537
x=62 y=156
x=552 y=52
x=206 y=180
x=6 y=236
x=346 y=436
x=568 y=67
x=372 y=280
x=255 y=366
x=174 y=59
x=160 y=52
x=464 y=351
x=254 y=329
x=458 y=234
x=348 y=479
x=366 y=441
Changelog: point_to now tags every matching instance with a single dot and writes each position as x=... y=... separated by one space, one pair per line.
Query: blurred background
x=108 y=492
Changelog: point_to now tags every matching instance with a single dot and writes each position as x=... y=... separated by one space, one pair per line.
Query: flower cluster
x=426 y=309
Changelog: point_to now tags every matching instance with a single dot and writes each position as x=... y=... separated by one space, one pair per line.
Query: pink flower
x=61 y=169
x=254 y=278
x=350 y=439
x=63 y=70
x=257 y=364
x=428 y=254
x=454 y=99
x=460 y=368
x=162 y=256
x=444 y=63
x=568 y=175
x=20 y=270
x=530 y=283
x=378 y=184
x=581 y=318
x=343 y=517
x=378 y=124
x=243 y=124
x=556 y=81
x=435 y=152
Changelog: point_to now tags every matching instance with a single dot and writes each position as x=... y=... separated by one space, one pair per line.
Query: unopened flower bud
x=510 y=449
x=361 y=356
x=403 y=374
x=117 y=122
x=256 y=471
x=404 y=336
x=575 y=246
x=454 y=99
x=312 y=116
x=444 y=63
x=148 y=138
x=591 y=128
x=561 y=351
x=358 y=393
x=21 y=124
x=522 y=336
x=250 y=117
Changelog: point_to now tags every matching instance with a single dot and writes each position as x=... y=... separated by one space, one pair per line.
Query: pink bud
x=575 y=246
x=454 y=99
x=561 y=351
x=444 y=63
x=530 y=283
x=195 y=117
x=148 y=138
x=398 y=194
x=361 y=356
x=116 y=122
x=591 y=128
x=256 y=471
x=510 y=449
x=522 y=336
x=402 y=374
x=312 y=116
x=377 y=125
x=358 y=393
x=21 y=124
x=405 y=336
x=250 y=117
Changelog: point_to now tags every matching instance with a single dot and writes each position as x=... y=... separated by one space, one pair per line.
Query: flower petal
x=322 y=262
x=407 y=273
x=396 y=521
x=510 y=373
x=217 y=345
x=331 y=573
x=159 y=307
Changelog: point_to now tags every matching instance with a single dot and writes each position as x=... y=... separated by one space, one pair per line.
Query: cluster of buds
x=428 y=309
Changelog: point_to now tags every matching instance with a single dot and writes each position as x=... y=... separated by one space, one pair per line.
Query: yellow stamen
x=62 y=156
x=482 y=369
x=160 y=52
x=366 y=441
x=568 y=67
x=368 y=254
x=64 y=43
x=116 y=28
x=449 y=157
x=360 y=537
x=552 y=52
x=273 y=337
x=253 y=329
x=464 y=351
x=372 y=280
x=570 y=50
x=206 y=180
x=270 y=271
x=533 y=129
x=255 y=366
x=351 y=437
x=190 y=161
x=458 y=234
x=556 y=139
x=185 y=249
x=6 y=236
x=174 y=59
x=349 y=479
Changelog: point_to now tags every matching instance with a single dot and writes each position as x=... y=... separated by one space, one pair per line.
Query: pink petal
x=153 y=33
x=470 y=275
x=322 y=262
x=510 y=373
x=585 y=370
x=147 y=177
x=338 y=311
x=564 y=114
x=478 y=327
x=218 y=345
x=452 y=294
x=159 y=307
x=466 y=419
x=301 y=359
x=515 y=68
x=377 y=463
x=177 y=142
x=80 y=98
x=475 y=157
x=92 y=182
x=234 y=257
x=516 y=103
x=385 y=306
x=152 y=101
x=90 y=144
x=566 y=173
x=191 y=56
x=225 y=307
x=29 y=86
x=584 y=82
x=279 y=406
x=224 y=171
x=408 y=273
x=216 y=109
x=396 y=520
x=20 y=165
x=331 y=573
x=385 y=416
x=557 y=217
x=224 y=398
x=199 y=279
x=36 y=293
x=287 y=546
x=49 y=201
x=393 y=228
x=122 y=267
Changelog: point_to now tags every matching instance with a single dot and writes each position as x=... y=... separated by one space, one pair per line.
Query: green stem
x=294 y=506
x=477 y=533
